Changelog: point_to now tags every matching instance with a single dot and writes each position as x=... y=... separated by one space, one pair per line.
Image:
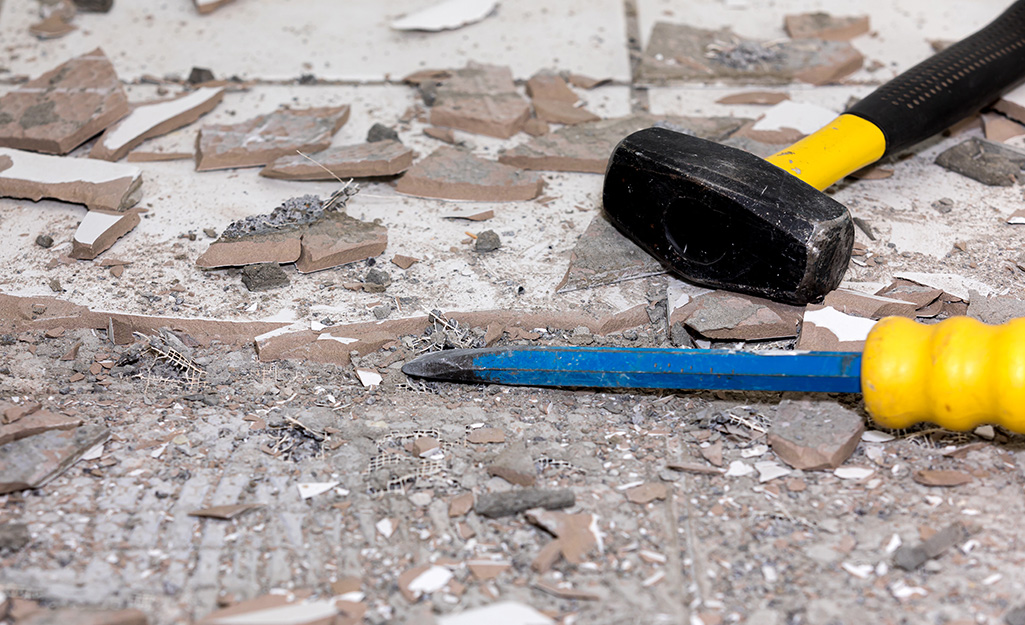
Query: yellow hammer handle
x=959 y=373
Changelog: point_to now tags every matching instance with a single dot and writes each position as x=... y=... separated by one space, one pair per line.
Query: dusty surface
x=219 y=426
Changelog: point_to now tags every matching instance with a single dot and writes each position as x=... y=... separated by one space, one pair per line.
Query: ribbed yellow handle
x=958 y=374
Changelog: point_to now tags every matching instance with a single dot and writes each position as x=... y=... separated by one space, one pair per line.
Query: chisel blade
x=612 y=367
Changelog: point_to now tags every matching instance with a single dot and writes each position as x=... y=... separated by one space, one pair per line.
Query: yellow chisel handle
x=959 y=373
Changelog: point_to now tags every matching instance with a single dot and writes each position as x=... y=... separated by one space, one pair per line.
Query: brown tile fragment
x=265 y=138
x=574 y=532
x=481 y=216
x=484 y=570
x=55 y=25
x=142 y=156
x=154 y=119
x=754 y=97
x=536 y=127
x=451 y=173
x=364 y=160
x=646 y=493
x=825 y=26
x=85 y=616
x=404 y=262
x=678 y=52
x=480 y=99
x=58 y=111
x=549 y=86
x=869 y=306
x=941 y=477
x=483 y=436
x=36 y=423
x=603 y=255
x=514 y=465
x=275 y=247
x=339 y=239
x=97 y=184
x=999 y=128
x=1012 y=104
x=586 y=82
x=209 y=6
x=99 y=230
x=712 y=453
x=557 y=112
x=441 y=134
x=460 y=504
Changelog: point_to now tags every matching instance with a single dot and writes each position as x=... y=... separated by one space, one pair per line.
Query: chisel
x=958 y=374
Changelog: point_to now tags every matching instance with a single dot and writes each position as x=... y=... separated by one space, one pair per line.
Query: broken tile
x=646 y=493
x=712 y=453
x=56 y=24
x=814 y=435
x=586 y=82
x=446 y=15
x=999 y=128
x=225 y=512
x=769 y=470
x=536 y=127
x=514 y=465
x=483 y=570
x=990 y=163
x=549 y=86
x=85 y=616
x=678 y=52
x=99 y=230
x=501 y=613
x=294 y=608
x=556 y=112
x=264 y=277
x=911 y=557
x=603 y=255
x=940 y=477
x=441 y=134
x=154 y=119
x=265 y=138
x=364 y=160
x=403 y=262
x=507 y=503
x=732 y=316
x=825 y=329
x=587 y=147
x=36 y=423
x=423 y=580
x=825 y=26
x=754 y=97
x=60 y=110
x=951 y=283
x=478 y=98
x=858 y=304
x=481 y=216
x=369 y=377
x=1012 y=104
x=853 y=473
x=32 y=462
x=451 y=173
x=97 y=184
x=460 y=505
x=338 y=239
x=576 y=534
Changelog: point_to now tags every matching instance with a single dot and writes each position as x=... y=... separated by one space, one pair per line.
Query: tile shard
x=227 y=512
x=515 y=465
x=586 y=147
x=814 y=435
x=478 y=98
x=264 y=138
x=724 y=315
x=446 y=15
x=36 y=422
x=990 y=163
x=99 y=230
x=1012 y=104
x=754 y=97
x=61 y=109
x=154 y=119
x=99 y=185
x=364 y=160
x=454 y=174
x=603 y=255
x=678 y=52
x=822 y=25
x=32 y=462
x=209 y=6
x=339 y=239
x=823 y=328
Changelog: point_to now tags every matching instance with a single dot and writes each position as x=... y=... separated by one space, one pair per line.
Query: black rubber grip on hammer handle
x=950 y=85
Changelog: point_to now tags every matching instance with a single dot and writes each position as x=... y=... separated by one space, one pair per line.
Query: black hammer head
x=725 y=218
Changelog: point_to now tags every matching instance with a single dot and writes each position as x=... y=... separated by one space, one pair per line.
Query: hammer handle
x=950 y=85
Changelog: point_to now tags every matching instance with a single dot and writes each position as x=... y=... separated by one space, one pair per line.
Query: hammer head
x=725 y=218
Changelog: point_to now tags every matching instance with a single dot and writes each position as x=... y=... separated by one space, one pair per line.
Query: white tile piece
x=146 y=117
x=739 y=468
x=312 y=489
x=94 y=224
x=369 y=377
x=754 y=451
x=385 y=527
x=49 y=169
x=845 y=327
x=501 y=613
x=430 y=581
x=853 y=473
x=803 y=116
x=446 y=15
x=291 y=614
x=769 y=470
x=875 y=436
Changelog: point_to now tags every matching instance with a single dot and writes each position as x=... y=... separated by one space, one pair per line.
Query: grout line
x=638 y=95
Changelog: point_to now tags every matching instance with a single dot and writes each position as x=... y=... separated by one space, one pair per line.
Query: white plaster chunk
x=801 y=116
x=853 y=473
x=446 y=15
x=368 y=377
x=312 y=489
x=148 y=116
x=48 y=169
x=845 y=327
x=430 y=581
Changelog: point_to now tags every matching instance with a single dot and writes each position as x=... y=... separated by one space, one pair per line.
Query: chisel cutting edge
x=959 y=373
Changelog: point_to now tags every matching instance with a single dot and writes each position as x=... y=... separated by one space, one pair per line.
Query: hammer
x=722 y=217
